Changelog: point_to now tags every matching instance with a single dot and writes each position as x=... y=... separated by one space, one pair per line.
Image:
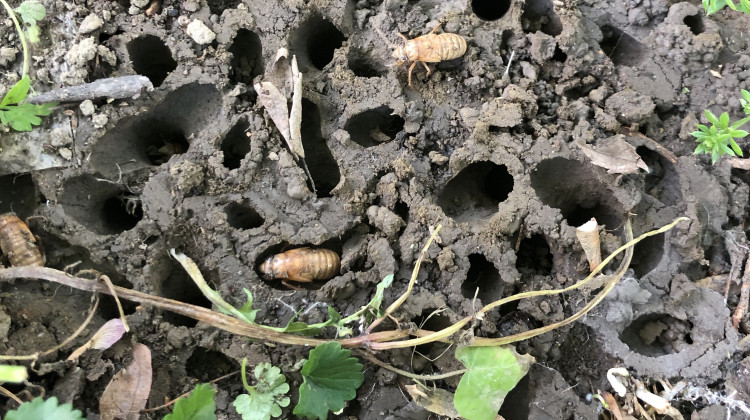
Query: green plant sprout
x=713 y=6
x=22 y=116
x=718 y=139
x=266 y=398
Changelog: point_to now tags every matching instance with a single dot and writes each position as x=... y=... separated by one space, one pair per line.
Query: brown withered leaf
x=436 y=400
x=127 y=392
x=616 y=155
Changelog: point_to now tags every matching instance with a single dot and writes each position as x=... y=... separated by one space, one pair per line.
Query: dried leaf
x=283 y=83
x=435 y=400
x=616 y=155
x=104 y=338
x=128 y=391
x=588 y=236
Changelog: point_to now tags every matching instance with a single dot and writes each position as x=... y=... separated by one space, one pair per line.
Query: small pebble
x=87 y=107
x=100 y=120
x=200 y=32
x=90 y=23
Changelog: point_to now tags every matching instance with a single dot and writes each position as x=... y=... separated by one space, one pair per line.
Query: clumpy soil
x=489 y=146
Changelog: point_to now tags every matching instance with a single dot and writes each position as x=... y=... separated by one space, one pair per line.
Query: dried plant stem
x=407 y=374
x=112 y=292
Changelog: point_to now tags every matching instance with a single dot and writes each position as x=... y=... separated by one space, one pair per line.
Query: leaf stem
x=243 y=374
x=19 y=29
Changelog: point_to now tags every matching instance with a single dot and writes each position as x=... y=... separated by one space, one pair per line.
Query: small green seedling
x=266 y=398
x=22 y=116
x=713 y=6
x=718 y=139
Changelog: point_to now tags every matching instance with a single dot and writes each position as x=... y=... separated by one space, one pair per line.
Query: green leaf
x=712 y=118
x=22 y=117
x=724 y=120
x=377 y=300
x=738 y=134
x=330 y=378
x=492 y=373
x=17 y=93
x=32 y=33
x=14 y=374
x=199 y=405
x=735 y=147
x=39 y=409
x=31 y=11
x=247 y=309
x=265 y=399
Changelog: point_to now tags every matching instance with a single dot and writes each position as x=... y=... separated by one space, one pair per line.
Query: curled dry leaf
x=127 y=392
x=282 y=83
x=588 y=236
x=616 y=155
x=104 y=338
x=435 y=400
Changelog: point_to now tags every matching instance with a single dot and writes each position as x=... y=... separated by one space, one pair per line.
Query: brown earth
x=197 y=165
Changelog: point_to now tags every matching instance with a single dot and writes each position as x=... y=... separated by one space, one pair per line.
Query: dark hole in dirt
x=247 y=57
x=573 y=188
x=363 y=65
x=620 y=47
x=402 y=210
x=122 y=212
x=241 y=216
x=647 y=254
x=175 y=283
x=539 y=15
x=521 y=397
x=315 y=42
x=100 y=206
x=575 y=93
x=430 y=320
x=218 y=6
x=534 y=256
x=236 y=144
x=694 y=270
x=207 y=365
x=657 y=334
x=493 y=129
x=476 y=191
x=151 y=58
x=323 y=167
x=146 y=140
x=662 y=182
x=374 y=126
x=334 y=245
x=490 y=9
x=483 y=275
x=695 y=23
x=559 y=55
x=19 y=195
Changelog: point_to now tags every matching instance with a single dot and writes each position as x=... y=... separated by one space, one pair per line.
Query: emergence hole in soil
x=176 y=284
x=647 y=254
x=247 y=57
x=122 y=212
x=559 y=55
x=534 y=256
x=218 y=6
x=430 y=320
x=483 y=275
x=207 y=365
x=363 y=65
x=539 y=15
x=621 y=48
x=146 y=140
x=240 y=216
x=323 y=167
x=662 y=182
x=574 y=189
x=657 y=334
x=151 y=58
x=19 y=195
x=475 y=192
x=490 y=9
x=315 y=41
x=236 y=144
x=695 y=23
x=374 y=126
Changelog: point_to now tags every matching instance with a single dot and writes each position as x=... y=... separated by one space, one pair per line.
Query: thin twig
x=112 y=292
x=10 y=395
x=382 y=364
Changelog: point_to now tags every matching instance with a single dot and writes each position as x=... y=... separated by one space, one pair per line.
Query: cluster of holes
x=242 y=216
x=655 y=335
x=490 y=9
x=315 y=41
x=374 y=126
x=476 y=191
x=539 y=15
x=621 y=48
x=534 y=256
x=151 y=58
x=247 y=57
x=236 y=144
x=573 y=188
x=323 y=167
